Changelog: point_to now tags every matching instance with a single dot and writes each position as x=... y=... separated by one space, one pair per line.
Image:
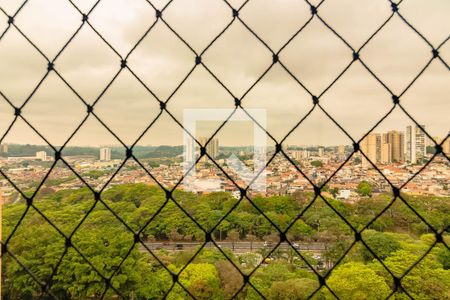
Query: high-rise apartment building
x=410 y=145
x=371 y=147
x=421 y=143
x=415 y=144
x=189 y=150
x=341 y=150
x=41 y=155
x=321 y=151
x=300 y=154
x=297 y=154
x=446 y=146
x=306 y=153
x=212 y=148
x=105 y=154
x=396 y=139
x=386 y=150
x=4 y=148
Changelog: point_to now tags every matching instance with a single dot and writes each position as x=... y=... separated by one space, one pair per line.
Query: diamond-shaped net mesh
x=68 y=237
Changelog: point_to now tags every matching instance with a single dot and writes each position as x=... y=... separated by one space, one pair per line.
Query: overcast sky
x=316 y=56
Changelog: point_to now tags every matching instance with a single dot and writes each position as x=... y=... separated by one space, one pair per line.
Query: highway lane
x=241 y=246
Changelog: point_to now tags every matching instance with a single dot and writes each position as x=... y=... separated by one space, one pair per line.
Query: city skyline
x=202 y=140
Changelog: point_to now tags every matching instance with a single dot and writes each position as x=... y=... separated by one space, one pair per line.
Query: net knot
x=316 y=190
x=17 y=111
x=394 y=7
x=395 y=99
x=315 y=100
x=246 y=278
x=274 y=58
x=129 y=152
x=202 y=151
x=397 y=282
x=396 y=191
x=435 y=53
x=136 y=238
x=438 y=149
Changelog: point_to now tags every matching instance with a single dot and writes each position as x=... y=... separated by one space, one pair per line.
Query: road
x=238 y=247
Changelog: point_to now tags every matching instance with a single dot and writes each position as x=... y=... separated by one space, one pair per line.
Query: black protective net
x=354 y=57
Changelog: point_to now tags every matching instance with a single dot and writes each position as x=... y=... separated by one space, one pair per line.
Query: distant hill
x=16 y=150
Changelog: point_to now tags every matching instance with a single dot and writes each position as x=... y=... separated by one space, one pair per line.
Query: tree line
x=143 y=152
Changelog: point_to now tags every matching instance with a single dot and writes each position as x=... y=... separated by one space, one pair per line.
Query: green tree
x=299 y=288
x=364 y=189
x=381 y=244
x=202 y=280
x=357 y=281
x=230 y=279
x=444 y=258
x=316 y=163
x=334 y=192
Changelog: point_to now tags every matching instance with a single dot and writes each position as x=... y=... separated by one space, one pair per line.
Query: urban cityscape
x=397 y=154
x=215 y=150
x=357 y=191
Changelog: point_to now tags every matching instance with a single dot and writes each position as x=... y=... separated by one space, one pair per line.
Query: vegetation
x=398 y=237
x=316 y=163
x=364 y=189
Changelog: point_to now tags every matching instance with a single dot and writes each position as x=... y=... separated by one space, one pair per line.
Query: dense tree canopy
x=398 y=237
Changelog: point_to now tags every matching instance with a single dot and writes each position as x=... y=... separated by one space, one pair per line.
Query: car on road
x=267 y=244
x=295 y=245
x=179 y=247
